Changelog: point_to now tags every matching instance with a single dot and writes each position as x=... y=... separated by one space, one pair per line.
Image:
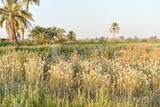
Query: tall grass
x=80 y=76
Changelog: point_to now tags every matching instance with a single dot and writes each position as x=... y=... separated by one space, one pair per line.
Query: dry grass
x=130 y=78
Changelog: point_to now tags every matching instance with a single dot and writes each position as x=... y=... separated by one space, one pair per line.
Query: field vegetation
x=117 y=75
x=52 y=68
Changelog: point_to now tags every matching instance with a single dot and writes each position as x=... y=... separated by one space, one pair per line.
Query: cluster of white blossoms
x=126 y=76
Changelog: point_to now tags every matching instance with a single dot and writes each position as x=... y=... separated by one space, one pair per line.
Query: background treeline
x=41 y=35
x=121 y=39
x=53 y=35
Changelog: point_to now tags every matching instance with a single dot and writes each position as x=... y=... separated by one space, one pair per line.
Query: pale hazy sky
x=92 y=18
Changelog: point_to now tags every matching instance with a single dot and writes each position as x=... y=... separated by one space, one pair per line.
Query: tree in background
x=71 y=36
x=114 y=28
x=136 y=39
x=59 y=34
x=49 y=35
x=153 y=39
x=15 y=18
x=38 y=34
x=102 y=39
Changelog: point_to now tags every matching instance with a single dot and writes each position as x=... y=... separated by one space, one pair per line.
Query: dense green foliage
x=6 y=43
x=41 y=35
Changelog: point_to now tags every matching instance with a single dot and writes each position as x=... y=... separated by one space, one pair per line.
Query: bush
x=6 y=43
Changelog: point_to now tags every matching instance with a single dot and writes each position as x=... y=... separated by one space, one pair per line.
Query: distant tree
x=71 y=36
x=129 y=39
x=15 y=18
x=114 y=28
x=121 y=37
x=59 y=34
x=49 y=35
x=153 y=39
x=136 y=39
x=144 y=40
x=102 y=39
x=41 y=35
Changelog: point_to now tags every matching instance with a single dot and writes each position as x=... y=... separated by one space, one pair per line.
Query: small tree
x=71 y=36
x=114 y=28
x=59 y=34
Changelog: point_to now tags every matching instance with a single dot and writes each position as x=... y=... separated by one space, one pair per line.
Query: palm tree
x=27 y=2
x=15 y=18
x=71 y=36
x=47 y=35
x=59 y=34
x=39 y=35
x=114 y=28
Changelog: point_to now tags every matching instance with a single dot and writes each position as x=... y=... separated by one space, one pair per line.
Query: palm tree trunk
x=22 y=32
x=23 y=36
x=113 y=36
x=13 y=33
